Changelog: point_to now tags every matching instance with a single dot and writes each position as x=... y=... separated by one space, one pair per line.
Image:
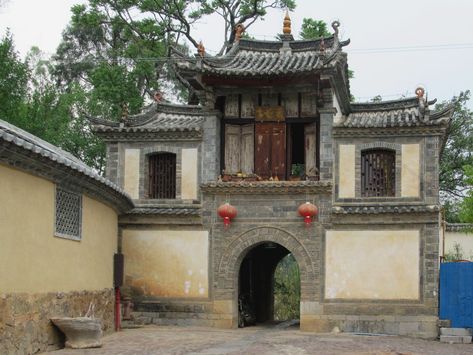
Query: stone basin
x=80 y=332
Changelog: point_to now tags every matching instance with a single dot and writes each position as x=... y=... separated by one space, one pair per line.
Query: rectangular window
x=68 y=214
x=162 y=176
x=378 y=173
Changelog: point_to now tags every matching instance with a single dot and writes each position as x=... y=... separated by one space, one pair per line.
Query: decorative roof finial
x=239 y=29
x=420 y=91
x=158 y=96
x=322 y=45
x=124 y=112
x=335 y=26
x=201 y=49
x=287 y=24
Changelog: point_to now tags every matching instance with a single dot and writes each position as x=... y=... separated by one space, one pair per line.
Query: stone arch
x=233 y=255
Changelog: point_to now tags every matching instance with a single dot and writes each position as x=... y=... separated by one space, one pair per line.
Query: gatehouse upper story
x=278 y=115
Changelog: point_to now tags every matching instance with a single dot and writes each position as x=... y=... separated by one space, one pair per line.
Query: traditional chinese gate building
x=270 y=110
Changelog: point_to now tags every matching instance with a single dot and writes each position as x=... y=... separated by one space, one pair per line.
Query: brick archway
x=232 y=257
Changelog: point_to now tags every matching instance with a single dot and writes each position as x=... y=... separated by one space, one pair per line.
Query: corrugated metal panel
x=456 y=294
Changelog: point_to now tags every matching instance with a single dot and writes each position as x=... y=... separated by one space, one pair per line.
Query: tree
x=178 y=16
x=13 y=81
x=312 y=29
x=458 y=149
x=111 y=59
x=31 y=100
x=466 y=206
x=287 y=289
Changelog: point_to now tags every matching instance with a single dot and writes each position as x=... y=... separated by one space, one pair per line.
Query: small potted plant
x=297 y=172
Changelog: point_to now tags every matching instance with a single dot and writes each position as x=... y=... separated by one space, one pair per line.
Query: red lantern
x=227 y=212
x=307 y=210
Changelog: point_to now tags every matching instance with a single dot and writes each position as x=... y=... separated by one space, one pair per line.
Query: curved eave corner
x=26 y=152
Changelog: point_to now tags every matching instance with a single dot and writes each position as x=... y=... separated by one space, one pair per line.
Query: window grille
x=68 y=214
x=378 y=173
x=162 y=175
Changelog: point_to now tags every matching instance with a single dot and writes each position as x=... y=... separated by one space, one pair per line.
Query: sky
x=395 y=45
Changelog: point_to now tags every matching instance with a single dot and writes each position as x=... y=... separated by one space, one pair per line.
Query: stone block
x=408 y=328
x=311 y=308
x=453 y=339
x=444 y=323
x=456 y=331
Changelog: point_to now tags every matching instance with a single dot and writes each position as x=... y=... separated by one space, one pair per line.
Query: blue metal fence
x=456 y=293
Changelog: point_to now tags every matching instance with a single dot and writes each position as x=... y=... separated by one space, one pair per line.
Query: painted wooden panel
x=278 y=150
x=310 y=135
x=270 y=155
x=231 y=106
x=263 y=149
x=270 y=114
x=247 y=148
x=308 y=104
x=248 y=106
x=232 y=149
x=291 y=104
x=269 y=100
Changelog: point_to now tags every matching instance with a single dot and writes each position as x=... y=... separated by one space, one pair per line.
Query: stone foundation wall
x=25 y=327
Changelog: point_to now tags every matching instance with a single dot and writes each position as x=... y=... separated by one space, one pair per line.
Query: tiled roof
x=384 y=209
x=459 y=227
x=397 y=113
x=168 y=211
x=266 y=58
x=161 y=117
x=36 y=148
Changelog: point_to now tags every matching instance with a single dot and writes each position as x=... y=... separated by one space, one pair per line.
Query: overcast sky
x=395 y=45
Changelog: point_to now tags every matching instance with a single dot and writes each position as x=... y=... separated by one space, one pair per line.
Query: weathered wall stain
x=166 y=263
x=372 y=264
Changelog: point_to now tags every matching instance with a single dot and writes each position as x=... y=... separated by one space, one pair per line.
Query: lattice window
x=162 y=175
x=378 y=172
x=68 y=214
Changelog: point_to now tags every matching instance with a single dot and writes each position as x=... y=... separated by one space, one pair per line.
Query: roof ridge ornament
x=239 y=30
x=423 y=104
x=286 y=24
x=201 y=49
x=336 y=41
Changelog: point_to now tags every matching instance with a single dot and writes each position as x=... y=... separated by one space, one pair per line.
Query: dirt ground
x=260 y=340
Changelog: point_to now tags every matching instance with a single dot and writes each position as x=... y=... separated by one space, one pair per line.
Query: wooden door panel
x=310 y=132
x=232 y=149
x=247 y=149
x=263 y=150
x=278 y=150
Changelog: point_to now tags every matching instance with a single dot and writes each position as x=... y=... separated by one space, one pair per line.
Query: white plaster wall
x=464 y=239
x=410 y=170
x=372 y=265
x=131 y=179
x=165 y=263
x=346 y=167
x=189 y=174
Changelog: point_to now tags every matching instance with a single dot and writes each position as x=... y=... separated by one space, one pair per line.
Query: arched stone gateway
x=228 y=268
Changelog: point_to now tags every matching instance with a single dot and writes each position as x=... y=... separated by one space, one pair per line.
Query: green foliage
x=455 y=254
x=377 y=98
x=466 y=207
x=13 y=80
x=312 y=29
x=458 y=149
x=43 y=109
x=112 y=57
x=451 y=211
x=287 y=289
